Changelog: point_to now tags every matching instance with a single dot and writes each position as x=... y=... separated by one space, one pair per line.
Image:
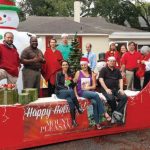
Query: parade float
x=47 y=121
x=28 y=121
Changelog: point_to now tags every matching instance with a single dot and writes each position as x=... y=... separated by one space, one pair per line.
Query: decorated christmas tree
x=75 y=55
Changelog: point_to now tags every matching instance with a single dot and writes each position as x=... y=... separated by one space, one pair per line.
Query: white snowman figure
x=9 y=22
x=99 y=66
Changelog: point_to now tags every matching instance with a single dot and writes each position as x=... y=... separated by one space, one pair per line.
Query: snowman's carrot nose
x=0 y=18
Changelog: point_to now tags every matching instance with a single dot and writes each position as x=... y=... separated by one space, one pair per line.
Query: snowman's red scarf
x=2 y=27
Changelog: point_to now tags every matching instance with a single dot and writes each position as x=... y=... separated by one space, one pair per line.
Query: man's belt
x=35 y=69
x=134 y=69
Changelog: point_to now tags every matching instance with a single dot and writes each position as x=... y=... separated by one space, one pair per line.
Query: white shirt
x=147 y=65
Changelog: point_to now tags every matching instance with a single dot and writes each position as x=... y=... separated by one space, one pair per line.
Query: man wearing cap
x=64 y=47
x=111 y=82
x=9 y=59
x=91 y=56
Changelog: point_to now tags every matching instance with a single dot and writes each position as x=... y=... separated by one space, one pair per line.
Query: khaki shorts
x=5 y=75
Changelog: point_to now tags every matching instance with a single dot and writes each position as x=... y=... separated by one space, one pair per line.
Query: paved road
x=137 y=140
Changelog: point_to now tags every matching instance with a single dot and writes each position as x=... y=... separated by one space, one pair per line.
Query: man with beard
x=9 y=59
x=32 y=59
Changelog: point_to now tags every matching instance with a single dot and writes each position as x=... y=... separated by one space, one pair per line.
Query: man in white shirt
x=91 y=56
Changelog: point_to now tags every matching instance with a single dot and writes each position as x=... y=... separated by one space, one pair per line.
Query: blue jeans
x=70 y=97
x=98 y=107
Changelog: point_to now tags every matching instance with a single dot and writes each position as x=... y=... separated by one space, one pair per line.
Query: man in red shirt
x=130 y=61
x=9 y=59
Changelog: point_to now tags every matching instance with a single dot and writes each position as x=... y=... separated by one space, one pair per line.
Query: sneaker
x=117 y=117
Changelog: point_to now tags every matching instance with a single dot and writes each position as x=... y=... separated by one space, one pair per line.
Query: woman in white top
x=145 y=50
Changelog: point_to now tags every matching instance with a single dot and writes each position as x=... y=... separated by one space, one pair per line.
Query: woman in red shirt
x=113 y=52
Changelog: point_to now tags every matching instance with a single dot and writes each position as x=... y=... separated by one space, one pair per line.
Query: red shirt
x=141 y=67
x=52 y=65
x=131 y=60
x=9 y=60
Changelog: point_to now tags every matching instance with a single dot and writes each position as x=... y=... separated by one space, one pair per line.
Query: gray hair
x=145 y=49
x=64 y=35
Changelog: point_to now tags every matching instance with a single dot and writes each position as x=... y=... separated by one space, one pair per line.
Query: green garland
x=6 y=7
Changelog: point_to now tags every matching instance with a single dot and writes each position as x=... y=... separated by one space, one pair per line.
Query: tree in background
x=47 y=7
x=117 y=11
x=86 y=8
x=144 y=11
x=122 y=12
x=75 y=55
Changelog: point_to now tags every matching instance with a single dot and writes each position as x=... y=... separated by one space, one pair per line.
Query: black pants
x=146 y=78
x=137 y=82
x=111 y=99
x=51 y=89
